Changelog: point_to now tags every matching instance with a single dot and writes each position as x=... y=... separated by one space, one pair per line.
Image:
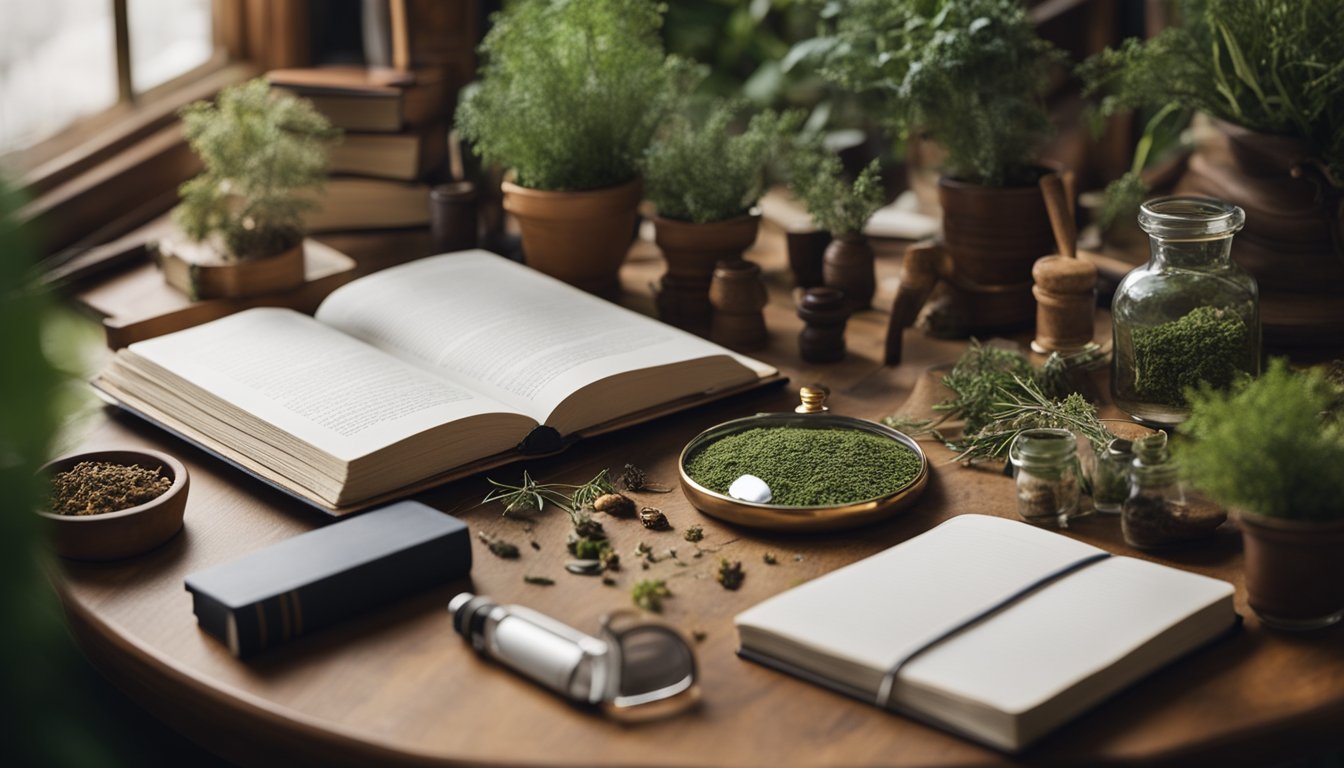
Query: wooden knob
x=1060 y=274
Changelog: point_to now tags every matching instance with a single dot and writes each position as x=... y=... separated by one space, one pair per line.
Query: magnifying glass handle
x=534 y=645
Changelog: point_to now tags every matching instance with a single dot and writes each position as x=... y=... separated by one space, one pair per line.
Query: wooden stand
x=822 y=340
x=738 y=296
x=201 y=271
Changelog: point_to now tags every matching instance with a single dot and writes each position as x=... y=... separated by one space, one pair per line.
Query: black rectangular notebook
x=318 y=578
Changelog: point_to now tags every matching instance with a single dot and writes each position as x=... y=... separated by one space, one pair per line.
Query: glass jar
x=1110 y=476
x=1159 y=512
x=1046 y=465
x=1189 y=316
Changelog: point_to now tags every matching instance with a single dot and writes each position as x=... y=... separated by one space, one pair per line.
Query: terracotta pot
x=579 y=237
x=691 y=251
x=1292 y=240
x=201 y=270
x=848 y=266
x=1294 y=570
x=993 y=236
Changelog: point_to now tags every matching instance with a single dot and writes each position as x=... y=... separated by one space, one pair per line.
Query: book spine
x=306 y=609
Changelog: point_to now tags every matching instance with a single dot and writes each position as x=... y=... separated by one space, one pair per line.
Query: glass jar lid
x=1190 y=218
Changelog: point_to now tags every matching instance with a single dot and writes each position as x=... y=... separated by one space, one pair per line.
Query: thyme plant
x=571 y=92
x=1271 y=445
x=838 y=206
x=971 y=73
x=1272 y=66
x=264 y=154
x=704 y=172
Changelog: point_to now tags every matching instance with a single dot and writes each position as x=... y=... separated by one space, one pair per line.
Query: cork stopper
x=1059 y=274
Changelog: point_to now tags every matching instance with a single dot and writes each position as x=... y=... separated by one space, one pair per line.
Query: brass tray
x=778 y=517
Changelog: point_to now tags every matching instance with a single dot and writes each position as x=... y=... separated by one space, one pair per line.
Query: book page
x=324 y=388
x=510 y=332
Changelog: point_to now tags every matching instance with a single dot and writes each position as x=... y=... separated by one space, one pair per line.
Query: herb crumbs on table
x=540 y=581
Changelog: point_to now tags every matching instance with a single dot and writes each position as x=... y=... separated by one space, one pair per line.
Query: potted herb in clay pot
x=841 y=208
x=265 y=155
x=704 y=180
x=971 y=75
x=1271 y=449
x=568 y=98
x=1270 y=77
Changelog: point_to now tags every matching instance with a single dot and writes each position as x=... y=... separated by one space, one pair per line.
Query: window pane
x=168 y=38
x=57 y=63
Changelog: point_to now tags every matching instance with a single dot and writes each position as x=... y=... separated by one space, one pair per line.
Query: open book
x=415 y=375
x=1038 y=658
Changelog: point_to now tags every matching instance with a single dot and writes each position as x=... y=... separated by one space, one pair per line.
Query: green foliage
x=817 y=178
x=572 y=91
x=1272 y=66
x=705 y=172
x=262 y=152
x=972 y=73
x=1208 y=345
x=1269 y=445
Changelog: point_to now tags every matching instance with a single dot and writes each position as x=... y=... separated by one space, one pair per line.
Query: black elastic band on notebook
x=889 y=680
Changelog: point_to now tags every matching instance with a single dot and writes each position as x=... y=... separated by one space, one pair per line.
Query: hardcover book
x=416 y=375
x=368 y=98
x=318 y=578
x=991 y=628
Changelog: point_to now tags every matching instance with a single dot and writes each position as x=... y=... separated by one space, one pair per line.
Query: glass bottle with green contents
x=1189 y=316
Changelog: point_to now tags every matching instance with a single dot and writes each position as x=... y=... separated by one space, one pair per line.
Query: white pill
x=750 y=488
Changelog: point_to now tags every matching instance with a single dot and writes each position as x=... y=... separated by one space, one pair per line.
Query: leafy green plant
x=1271 y=445
x=971 y=73
x=571 y=92
x=839 y=207
x=264 y=154
x=704 y=172
x=1272 y=66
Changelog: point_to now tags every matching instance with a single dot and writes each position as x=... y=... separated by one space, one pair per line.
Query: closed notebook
x=1044 y=656
x=317 y=578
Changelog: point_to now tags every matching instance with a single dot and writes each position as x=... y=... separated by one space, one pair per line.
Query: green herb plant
x=1208 y=345
x=648 y=594
x=838 y=206
x=704 y=171
x=970 y=73
x=265 y=154
x=1272 y=66
x=1272 y=445
x=571 y=92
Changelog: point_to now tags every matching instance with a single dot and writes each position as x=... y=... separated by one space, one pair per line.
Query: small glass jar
x=1046 y=466
x=1151 y=515
x=1110 y=476
x=1189 y=316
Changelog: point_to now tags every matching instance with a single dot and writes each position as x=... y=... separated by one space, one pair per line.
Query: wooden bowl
x=777 y=517
x=126 y=532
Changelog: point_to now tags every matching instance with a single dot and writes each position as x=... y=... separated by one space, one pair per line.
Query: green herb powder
x=1208 y=345
x=807 y=467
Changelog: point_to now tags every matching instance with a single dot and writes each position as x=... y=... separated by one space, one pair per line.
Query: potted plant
x=568 y=98
x=971 y=75
x=704 y=180
x=1271 y=450
x=1269 y=75
x=265 y=154
x=841 y=208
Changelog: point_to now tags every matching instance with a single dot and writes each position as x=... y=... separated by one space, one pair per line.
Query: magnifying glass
x=634 y=669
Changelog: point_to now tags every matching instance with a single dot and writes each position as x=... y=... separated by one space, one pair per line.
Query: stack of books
x=395 y=125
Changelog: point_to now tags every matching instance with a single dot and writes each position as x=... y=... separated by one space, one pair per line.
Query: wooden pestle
x=1061 y=220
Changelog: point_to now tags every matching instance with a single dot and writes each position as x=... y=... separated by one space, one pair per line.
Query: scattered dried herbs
x=699 y=635
x=695 y=533
x=654 y=519
x=730 y=574
x=807 y=467
x=615 y=504
x=531 y=496
x=540 y=581
x=586 y=548
x=100 y=487
x=648 y=594
x=769 y=558
x=634 y=479
x=497 y=546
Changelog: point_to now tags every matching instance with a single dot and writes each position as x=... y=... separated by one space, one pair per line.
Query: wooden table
x=399 y=687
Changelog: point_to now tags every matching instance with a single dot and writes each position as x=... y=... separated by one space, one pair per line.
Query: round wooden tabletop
x=399 y=687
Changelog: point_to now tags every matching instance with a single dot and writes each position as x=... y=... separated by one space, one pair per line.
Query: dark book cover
x=318 y=578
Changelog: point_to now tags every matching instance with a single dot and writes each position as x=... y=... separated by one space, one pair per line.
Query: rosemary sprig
x=1027 y=407
x=531 y=496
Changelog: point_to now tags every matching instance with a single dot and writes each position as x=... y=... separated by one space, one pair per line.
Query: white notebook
x=1017 y=674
